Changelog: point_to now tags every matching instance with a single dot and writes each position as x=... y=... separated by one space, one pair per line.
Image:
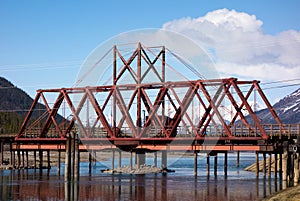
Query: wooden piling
x=296 y=168
x=275 y=165
x=269 y=165
x=216 y=164
x=264 y=165
x=120 y=159
x=34 y=158
x=284 y=166
x=48 y=159
x=67 y=159
x=280 y=166
x=19 y=159
x=238 y=159
x=207 y=165
x=195 y=163
x=41 y=159
x=27 y=160
x=225 y=164
x=155 y=159
x=113 y=160
x=257 y=164
x=23 y=159
x=1 y=150
x=76 y=158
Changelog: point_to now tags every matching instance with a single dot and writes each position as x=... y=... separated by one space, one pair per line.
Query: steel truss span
x=142 y=112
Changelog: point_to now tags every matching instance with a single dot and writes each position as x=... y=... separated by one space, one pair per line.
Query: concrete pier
x=141 y=157
x=164 y=159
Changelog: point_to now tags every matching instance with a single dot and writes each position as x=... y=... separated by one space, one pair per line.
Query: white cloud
x=239 y=46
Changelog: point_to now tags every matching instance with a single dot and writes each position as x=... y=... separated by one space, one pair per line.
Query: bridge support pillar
x=216 y=164
x=41 y=159
x=225 y=164
x=113 y=160
x=284 y=166
x=23 y=160
x=141 y=157
x=19 y=159
x=195 y=163
x=120 y=159
x=155 y=159
x=2 y=154
x=207 y=165
x=296 y=168
x=264 y=165
x=34 y=158
x=130 y=160
x=238 y=159
x=12 y=155
x=275 y=165
x=269 y=165
x=27 y=160
x=280 y=166
x=164 y=158
x=257 y=164
x=48 y=160
x=58 y=161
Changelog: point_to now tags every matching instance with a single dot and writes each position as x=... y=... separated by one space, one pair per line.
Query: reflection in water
x=40 y=185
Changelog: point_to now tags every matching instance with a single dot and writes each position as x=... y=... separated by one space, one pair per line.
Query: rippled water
x=180 y=185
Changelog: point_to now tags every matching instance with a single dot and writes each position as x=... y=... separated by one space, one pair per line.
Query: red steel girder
x=131 y=112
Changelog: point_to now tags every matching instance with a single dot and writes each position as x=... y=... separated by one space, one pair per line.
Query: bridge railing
x=237 y=130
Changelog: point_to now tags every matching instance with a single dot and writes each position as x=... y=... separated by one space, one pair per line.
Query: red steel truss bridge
x=143 y=107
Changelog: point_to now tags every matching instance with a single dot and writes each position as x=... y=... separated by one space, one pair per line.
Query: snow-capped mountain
x=288 y=110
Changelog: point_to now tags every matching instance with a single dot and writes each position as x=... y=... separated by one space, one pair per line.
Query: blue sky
x=43 y=43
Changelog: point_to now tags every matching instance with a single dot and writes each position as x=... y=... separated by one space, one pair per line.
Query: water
x=181 y=185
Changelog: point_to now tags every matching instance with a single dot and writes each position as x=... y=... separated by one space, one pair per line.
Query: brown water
x=94 y=185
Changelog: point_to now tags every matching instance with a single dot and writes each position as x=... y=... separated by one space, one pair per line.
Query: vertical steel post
x=114 y=105
x=139 y=103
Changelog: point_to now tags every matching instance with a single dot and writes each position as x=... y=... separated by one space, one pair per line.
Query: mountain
x=288 y=110
x=14 y=105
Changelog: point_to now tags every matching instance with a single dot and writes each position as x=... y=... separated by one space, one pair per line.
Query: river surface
x=181 y=185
